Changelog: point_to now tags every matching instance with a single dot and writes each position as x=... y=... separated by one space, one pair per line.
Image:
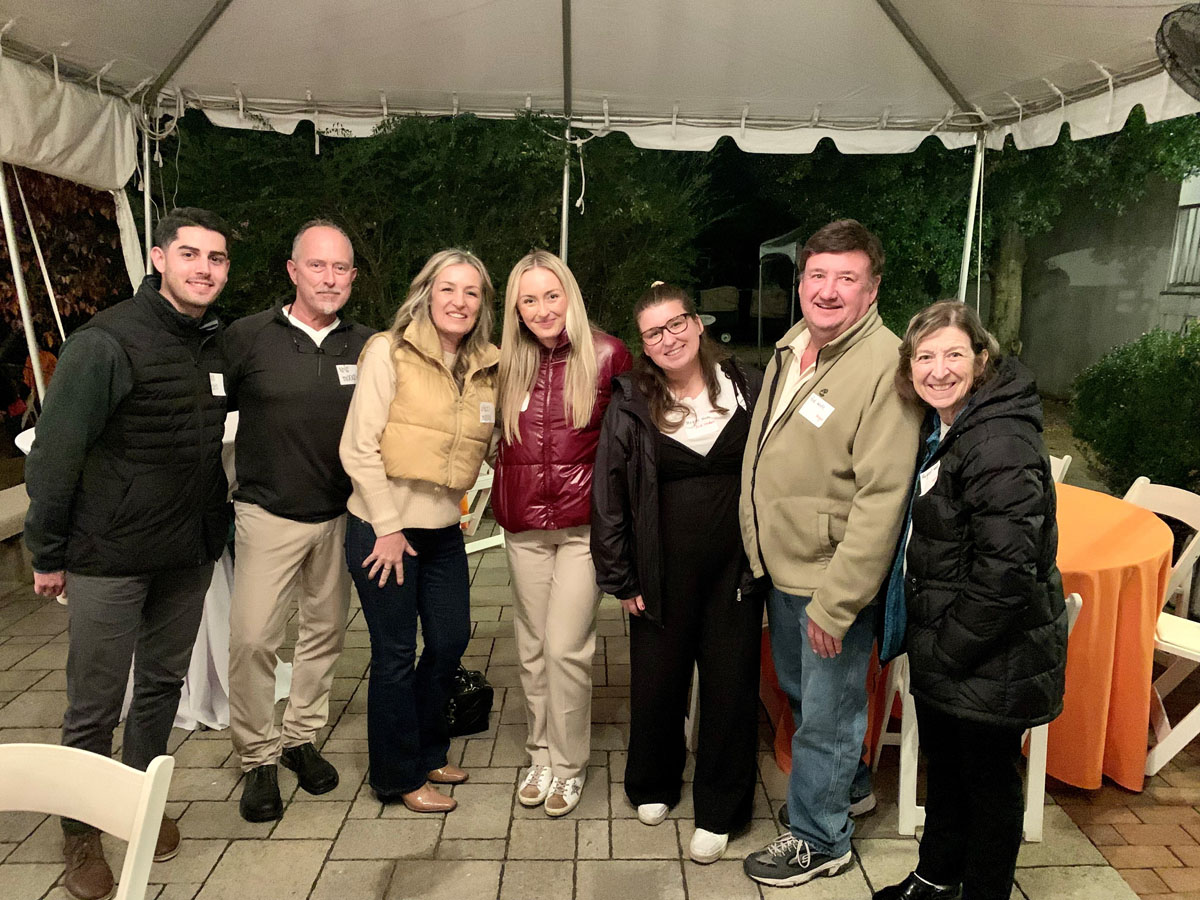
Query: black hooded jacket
x=625 y=543
x=987 y=625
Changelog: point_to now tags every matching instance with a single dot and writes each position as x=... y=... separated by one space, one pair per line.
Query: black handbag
x=470 y=703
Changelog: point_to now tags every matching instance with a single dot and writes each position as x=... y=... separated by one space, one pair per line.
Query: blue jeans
x=406 y=706
x=829 y=703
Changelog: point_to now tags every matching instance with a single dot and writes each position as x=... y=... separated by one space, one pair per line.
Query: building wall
x=1096 y=282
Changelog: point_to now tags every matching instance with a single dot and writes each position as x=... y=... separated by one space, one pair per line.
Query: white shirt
x=704 y=423
x=796 y=378
x=317 y=335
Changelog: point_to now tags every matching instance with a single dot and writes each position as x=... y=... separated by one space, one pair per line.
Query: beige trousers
x=277 y=560
x=555 y=623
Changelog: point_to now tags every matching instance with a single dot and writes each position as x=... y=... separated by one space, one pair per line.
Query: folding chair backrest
x=1059 y=466
x=117 y=799
x=1178 y=504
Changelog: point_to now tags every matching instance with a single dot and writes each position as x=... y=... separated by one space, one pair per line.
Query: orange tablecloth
x=1117 y=557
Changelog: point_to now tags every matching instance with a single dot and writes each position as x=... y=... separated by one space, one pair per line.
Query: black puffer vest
x=152 y=492
x=987 y=626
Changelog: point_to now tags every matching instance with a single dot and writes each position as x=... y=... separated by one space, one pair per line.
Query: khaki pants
x=555 y=623
x=277 y=560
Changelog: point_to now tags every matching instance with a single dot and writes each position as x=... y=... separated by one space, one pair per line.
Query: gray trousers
x=150 y=620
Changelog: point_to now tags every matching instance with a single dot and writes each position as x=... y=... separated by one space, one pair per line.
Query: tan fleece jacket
x=821 y=506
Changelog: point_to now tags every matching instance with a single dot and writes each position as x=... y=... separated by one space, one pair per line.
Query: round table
x=1117 y=557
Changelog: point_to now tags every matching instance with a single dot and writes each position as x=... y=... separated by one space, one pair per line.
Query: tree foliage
x=418 y=185
x=1138 y=408
x=76 y=227
x=916 y=202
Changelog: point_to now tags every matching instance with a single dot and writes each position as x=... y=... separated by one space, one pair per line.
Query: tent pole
x=146 y=191
x=563 y=226
x=758 y=358
x=976 y=177
x=14 y=257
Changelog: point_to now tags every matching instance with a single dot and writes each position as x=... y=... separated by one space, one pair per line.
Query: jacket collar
x=867 y=325
x=176 y=322
x=282 y=318
x=422 y=336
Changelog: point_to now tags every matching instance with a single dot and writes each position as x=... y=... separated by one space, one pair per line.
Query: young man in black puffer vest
x=127 y=507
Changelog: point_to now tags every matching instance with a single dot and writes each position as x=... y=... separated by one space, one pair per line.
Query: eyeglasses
x=676 y=325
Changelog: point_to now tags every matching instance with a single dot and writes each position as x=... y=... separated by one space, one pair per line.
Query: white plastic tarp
x=775 y=75
x=64 y=129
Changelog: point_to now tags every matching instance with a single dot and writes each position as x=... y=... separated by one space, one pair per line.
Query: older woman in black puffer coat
x=987 y=625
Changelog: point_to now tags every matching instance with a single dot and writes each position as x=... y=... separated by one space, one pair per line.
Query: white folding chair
x=477 y=500
x=119 y=800
x=1180 y=638
x=911 y=815
x=1177 y=503
x=1059 y=466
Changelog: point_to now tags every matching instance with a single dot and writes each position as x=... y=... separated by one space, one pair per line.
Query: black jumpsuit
x=704 y=621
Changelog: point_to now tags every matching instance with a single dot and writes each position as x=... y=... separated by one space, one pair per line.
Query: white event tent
x=80 y=78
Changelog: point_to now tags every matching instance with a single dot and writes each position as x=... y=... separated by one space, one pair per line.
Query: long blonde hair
x=520 y=350
x=420 y=295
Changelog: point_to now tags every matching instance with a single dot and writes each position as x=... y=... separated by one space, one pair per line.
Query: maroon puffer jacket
x=545 y=481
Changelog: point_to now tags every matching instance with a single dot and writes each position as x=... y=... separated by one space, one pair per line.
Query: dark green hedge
x=1138 y=410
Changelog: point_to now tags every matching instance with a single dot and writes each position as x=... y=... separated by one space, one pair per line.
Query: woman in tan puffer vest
x=419 y=424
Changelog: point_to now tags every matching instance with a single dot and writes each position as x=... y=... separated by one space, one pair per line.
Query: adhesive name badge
x=929 y=477
x=217 y=381
x=347 y=374
x=487 y=413
x=525 y=403
x=816 y=410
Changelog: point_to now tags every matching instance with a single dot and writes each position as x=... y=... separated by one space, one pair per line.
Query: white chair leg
x=1174 y=738
x=1035 y=783
x=897 y=674
x=1179 y=669
x=691 y=725
x=911 y=815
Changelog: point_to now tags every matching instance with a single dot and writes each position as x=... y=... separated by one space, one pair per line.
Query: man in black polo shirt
x=292 y=370
x=127 y=507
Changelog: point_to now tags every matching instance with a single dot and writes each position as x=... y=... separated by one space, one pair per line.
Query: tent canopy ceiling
x=776 y=75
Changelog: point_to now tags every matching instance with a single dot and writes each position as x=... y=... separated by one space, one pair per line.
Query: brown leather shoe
x=88 y=876
x=167 y=845
x=428 y=800
x=448 y=775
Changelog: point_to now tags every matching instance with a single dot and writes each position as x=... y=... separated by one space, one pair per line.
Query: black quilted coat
x=987 y=635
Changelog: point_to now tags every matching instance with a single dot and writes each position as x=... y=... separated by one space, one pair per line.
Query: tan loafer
x=428 y=800
x=448 y=775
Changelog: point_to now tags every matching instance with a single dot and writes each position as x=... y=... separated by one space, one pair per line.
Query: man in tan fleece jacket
x=825 y=480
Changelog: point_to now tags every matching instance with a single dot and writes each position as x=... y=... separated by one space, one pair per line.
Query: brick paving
x=1103 y=844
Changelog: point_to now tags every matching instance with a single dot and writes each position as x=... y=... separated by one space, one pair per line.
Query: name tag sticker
x=816 y=410
x=487 y=413
x=217 y=381
x=525 y=403
x=347 y=374
x=929 y=477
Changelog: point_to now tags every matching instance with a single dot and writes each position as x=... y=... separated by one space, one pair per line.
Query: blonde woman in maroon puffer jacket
x=556 y=376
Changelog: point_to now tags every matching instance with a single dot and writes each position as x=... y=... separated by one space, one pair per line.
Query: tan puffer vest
x=435 y=432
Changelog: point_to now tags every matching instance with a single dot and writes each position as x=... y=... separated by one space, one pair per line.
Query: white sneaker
x=564 y=796
x=535 y=786
x=707 y=847
x=652 y=813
